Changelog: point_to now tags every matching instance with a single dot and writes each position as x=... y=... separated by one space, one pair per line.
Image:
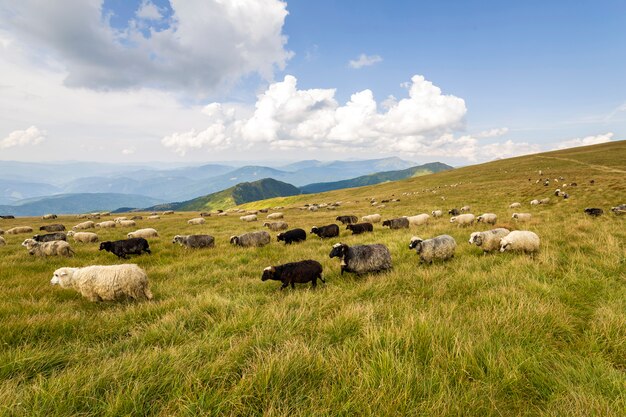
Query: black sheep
x=49 y=237
x=290 y=236
x=347 y=219
x=295 y=272
x=53 y=228
x=123 y=248
x=454 y=212
x=331 y=230
x=359 y=228
x=7 y=217
x=594 y=211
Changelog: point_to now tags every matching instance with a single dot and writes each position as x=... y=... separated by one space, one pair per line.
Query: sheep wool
x=520 y=240
x=488 y=240
x=144 y=233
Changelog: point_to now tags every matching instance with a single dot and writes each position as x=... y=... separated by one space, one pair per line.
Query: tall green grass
x=496 y=334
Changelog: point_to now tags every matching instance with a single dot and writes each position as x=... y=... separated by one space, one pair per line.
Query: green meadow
x=503 y=334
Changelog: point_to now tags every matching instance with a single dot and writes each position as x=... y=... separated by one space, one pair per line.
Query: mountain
x=376 y=178
x=77 y=203
x=11 y=191
x=239 y=194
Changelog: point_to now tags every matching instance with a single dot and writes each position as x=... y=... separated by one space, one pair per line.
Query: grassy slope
x=503 y=334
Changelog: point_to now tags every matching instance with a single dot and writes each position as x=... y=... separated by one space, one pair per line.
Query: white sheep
x=465 y=208
x=437 y=213
x=534 y=202
x=84 y=225
x=167 y=212
x=49 y=216
x=196 y=221
x=83 y=237
x=523 y=217
x=249 y=218
x=144 y=233
x=275 y=216
x=127 y=223
x=107 y=224
x=515 y=205
x=105 y=283
x=520 y=240
x=119 y=219
x=544 y=201
x=153 y=217
x=372 y=218
x=2 y=241
x=489 y=240
x=52 y=248
x=419 y=219
x=222 y=214
x=463 y=219
x=489 y=218
x=19 y=229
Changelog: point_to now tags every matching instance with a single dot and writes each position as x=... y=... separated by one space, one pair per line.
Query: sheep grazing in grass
x=276 y=226
x=167 y=212
x=330 y=230
x=105 y=283
x=441 y=247
x=144 y=233
x=454 y=212
x=119 y=219
x=107 y=224
x=2 y=241
x=362 y=259
x=275 y=216
x=437 y=213
x=52 y=228
x=291 y=236
x=123 y=248
x=49 y=216
x=463 y=219
x=249 y=218
x=418 y=220
x=489 y=218
x=347 y=219
x=53 y=248
x=260 y=238
x=399 y=223
x=126 y=223
x=49 y=237
x=544 y=201
x=619 y=210
x=195 y=241
x=520 y=240
x=594 y=211
x=19 y=229
x=153 y=217
x=196 y=221
x=83 y=237
x=515 y=205
x=488 y=240
x=534 y=202
x=205 y=214
x=372 y=218
x=293 y=273
x=84 y=225
x=358 y=228
x=522 y=217
x=465 y=209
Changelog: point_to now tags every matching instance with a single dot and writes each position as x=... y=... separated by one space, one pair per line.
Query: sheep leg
x=314 y=282
x=321 y=278
x=285 y=285
x=148 y=250
x=293 y=285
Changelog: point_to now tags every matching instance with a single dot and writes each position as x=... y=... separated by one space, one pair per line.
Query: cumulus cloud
x=30 y=136
x=204 y=44
x=587 y=140
x=364 y=61
x=285 y=117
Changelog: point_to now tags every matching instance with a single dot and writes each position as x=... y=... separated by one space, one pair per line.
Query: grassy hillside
x=376 y=178
x=486 y=335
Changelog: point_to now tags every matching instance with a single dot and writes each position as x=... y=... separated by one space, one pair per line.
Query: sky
x=455 y=81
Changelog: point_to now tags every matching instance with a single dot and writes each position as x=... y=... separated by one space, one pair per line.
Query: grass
x=487 y=335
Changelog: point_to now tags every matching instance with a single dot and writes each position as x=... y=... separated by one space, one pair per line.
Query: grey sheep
x=276 y=226
x=441 y=247
x=362 y=259
x=619 y=210
x=195 y=241
x=488 y=240
x=489 y=218
x=53 y=248
x=260 y=238
x=399 y=223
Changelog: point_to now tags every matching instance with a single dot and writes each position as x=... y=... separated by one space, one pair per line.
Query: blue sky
x=198 y=80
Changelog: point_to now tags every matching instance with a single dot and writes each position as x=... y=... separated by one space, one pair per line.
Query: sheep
x=167 y=212
x=488 y=240
x=399 y=223
x=49 y=216
x=196 y=221
x=127 y=223
x=195 y=241
x=1 y=232
x=107 y=224
x=594 y=211
x=619 y=210
x=84 y=225
x=437 y=213
x=313 y=208
x=53 y=248
x=418 y=220
x=558 y=192
x=105 y=213
x=19 y=229
x=205 y=214
x=534 y=202
x=252 y=212
x=153 y=217
x=52 y=228
x=290 y=236
x=489 y=218
x=144 y=233
x=358 y=228
x=249 y=218
x=441 y=247
x=515 y=205
x=123 y=248
x=372 y=218
x=362 y=259
x=137 y=218
x=105 y=283
x=544 y=201
x=260 y=238
x=565 y=196
x=523 y=217
x=291 y=273
x=83 y=237
x=276 y=226
x=49 y=237
x=465 y=208
x=454 y=212
x=222 y=214
x=275 y=216
x=520 y=240
x=347 y=219
x=330 y=230
x=119 y=219
x=463 y=219
x=7 y=217
x=2 y=241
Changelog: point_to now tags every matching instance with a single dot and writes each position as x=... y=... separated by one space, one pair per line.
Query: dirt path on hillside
x=592 y=166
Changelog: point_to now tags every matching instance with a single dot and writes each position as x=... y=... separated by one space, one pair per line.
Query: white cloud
x=492 y=133
x=207 y=45
x=587 y=140
x=507 y=149
x=30 y=136
x=364 y=61
x=149 y=11
x=285 y=117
